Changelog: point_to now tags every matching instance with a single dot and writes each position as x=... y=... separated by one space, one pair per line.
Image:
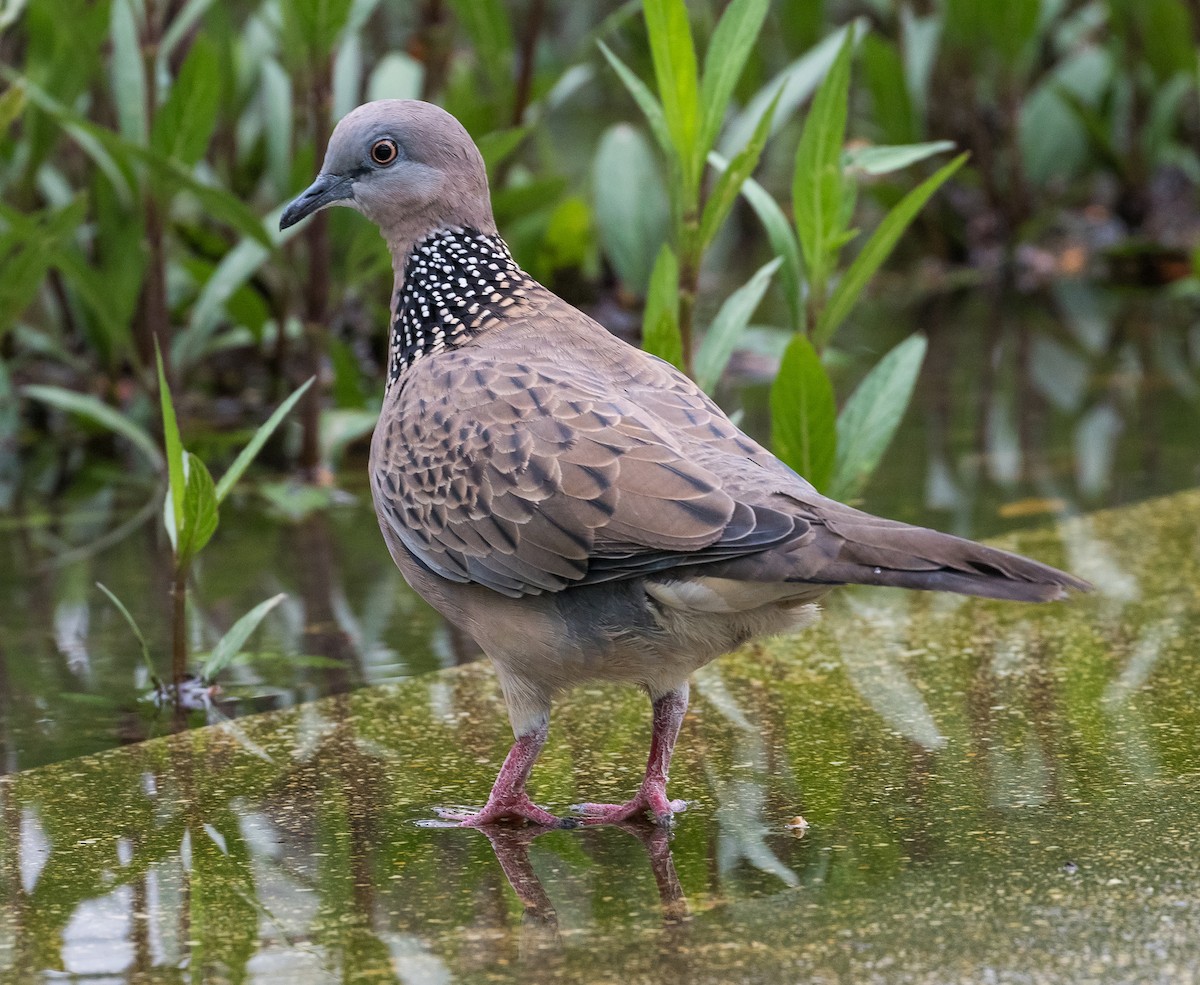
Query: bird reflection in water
x=540 y=923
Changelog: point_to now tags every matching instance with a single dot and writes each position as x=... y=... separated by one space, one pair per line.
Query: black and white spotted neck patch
x=457 y=282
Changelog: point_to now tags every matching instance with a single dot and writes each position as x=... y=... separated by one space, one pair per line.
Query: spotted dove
x=580 y=507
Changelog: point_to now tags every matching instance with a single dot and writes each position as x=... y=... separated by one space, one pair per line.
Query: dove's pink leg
x=669 y=710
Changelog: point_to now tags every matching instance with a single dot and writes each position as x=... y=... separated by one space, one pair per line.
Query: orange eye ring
x=384 y=152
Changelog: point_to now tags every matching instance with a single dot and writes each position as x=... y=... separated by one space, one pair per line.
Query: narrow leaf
x=817 y=185
x=128 y=72
x=174 y=447
x=734 y=315
x=133 y=626
x=876 y=250
x=798 y=81
x=783 y=242
x=85 y=405
x=650 y=107
x=725 y=192
x=724 y=61
x=884 y=159
x=181 y=25
x=869 y=420
x=660 y=321
x=803 y=413
x=265 y=430
x=184 y=124
x=230 y=645
x=12 y=105
x=486 y=23
x=673 y=52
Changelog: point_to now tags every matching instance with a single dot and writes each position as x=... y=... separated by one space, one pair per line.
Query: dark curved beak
x=327 y=189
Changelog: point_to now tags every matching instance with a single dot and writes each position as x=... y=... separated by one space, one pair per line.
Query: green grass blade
x=85 y=405
x=231 y=643
x=137 y=632
x=184 y=124
x=876 y=250
x=804 y=414
x=265 y=430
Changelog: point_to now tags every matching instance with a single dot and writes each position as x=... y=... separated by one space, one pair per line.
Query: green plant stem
x=179 y=655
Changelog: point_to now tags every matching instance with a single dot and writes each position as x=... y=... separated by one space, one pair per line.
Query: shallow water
x=993 y=792
x=1030 y=407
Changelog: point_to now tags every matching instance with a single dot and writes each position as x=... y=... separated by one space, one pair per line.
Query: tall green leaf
x=731 y=320
x=674 y=54
x=311 y=28
x=869 y=420
x=794 y=84
x=817 y=186
x=783 y=242
x=184 y=124
x=128 y=71
x=882 y=159
x=487 y=24
x=724 y=60
x=804 y=414
x=876 y=250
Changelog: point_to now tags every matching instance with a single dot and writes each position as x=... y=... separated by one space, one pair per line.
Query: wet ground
x=992 y=792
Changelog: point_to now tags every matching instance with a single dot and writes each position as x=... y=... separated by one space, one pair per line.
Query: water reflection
x=950 y=760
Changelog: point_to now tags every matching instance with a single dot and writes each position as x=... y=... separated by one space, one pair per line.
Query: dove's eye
x=383 y=152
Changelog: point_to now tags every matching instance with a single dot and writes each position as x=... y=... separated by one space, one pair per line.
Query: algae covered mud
x=992 y=793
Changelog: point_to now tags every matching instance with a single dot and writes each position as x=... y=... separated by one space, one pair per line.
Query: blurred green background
x=147 y=149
